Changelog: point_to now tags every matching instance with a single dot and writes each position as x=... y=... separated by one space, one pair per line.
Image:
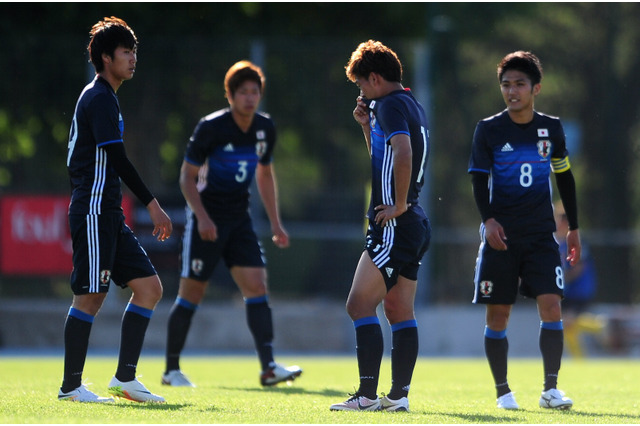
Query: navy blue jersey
x=96 y=123
x=231 y=157
x=519 y=160
x=397 y=113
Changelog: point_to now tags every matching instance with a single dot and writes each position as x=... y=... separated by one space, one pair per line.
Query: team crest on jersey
x=261 y=148
x=486 y=288
x=196 y=266
x=105 y=276
x=544 y=148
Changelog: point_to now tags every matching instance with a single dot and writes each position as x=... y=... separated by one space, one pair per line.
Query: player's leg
x=551 y=345
x=496 y=345
x=543 y=279
x=77 y=329
x=496 y=285
x=190 y=295
x=92 y=239
x=367 y=291
x=399 y=310
x=252 y=282
x=147 y=292
x=133 y=269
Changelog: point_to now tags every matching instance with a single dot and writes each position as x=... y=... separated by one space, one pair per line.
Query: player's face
x=246 y=99
x=517 y=91
x=367 y=90
x=123 y=64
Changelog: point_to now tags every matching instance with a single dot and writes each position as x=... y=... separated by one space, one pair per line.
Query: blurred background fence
x=449 y=52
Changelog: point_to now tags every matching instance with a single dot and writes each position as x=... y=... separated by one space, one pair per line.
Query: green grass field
x=444 y=391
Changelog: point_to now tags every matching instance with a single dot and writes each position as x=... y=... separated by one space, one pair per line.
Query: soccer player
x=104 y=248
x=227 y=149
x=396 y=135
x=512 y=156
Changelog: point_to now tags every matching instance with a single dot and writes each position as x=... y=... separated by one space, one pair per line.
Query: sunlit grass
x=443 y=391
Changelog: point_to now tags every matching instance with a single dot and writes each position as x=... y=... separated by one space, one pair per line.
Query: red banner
x=35 y=236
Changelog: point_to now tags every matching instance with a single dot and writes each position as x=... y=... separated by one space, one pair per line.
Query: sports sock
x=134 y=326
x=403 y=357
x=261 y=327
x=551 y=345
x=369 y=348
x=178 y=326
x=77 y=329
x=496 y=348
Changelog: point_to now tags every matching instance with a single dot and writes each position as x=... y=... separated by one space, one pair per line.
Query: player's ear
x=536 y=89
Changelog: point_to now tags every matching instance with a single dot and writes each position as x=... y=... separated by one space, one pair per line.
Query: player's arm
x=567 y=188
x=188 y=178
x=117 y=156
x=268 y=189
x=494 y=233
x=402 y=164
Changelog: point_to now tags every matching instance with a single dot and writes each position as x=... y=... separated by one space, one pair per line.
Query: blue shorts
x=237 y=244
x=398 y=250
x=105 y=249
x=529 y=266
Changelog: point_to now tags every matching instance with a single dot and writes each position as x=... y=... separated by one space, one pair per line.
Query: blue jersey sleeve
x=103 y=114
x=481 y=155
x=392 y=120
x=198 y=147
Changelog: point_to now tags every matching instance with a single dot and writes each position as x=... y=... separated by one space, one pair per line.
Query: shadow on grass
x=151 y=406
x=288 y=390
x=524 y=416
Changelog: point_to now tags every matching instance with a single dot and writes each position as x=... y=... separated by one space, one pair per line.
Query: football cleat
x=278 y=373
x=132 y=390
x=82 y=394
x=507 y=402
x=176 y=378
x=357 y=403
x=554 y=398
x=388 y=404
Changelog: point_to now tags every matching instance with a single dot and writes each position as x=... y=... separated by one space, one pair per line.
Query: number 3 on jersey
x=241 y=176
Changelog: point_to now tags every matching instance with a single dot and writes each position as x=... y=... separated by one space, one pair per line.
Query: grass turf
x=443 y=391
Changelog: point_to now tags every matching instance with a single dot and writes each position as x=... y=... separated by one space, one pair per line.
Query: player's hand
x=574 y=247
x=162 y=227
x=361 y=112
x=494 y=234
x=384 y=213
x=207 y=229
x=280 y=237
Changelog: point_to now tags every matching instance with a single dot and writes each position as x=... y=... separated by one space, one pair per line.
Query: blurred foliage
x=588 y=52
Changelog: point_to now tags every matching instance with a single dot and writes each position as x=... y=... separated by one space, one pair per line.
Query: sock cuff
x=366 y=321
x=185 y=304
x=492 y=334
x=404 y=324
x=82 y=316
x=556 y=325
x=256 y=300
x=139 y=310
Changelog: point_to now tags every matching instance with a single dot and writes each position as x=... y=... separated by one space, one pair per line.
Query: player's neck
x=390 y=87
x=113 y=82
x=522 y=116
x=243 y=121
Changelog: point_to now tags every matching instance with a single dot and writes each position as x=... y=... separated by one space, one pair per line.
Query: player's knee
x=147 y=291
